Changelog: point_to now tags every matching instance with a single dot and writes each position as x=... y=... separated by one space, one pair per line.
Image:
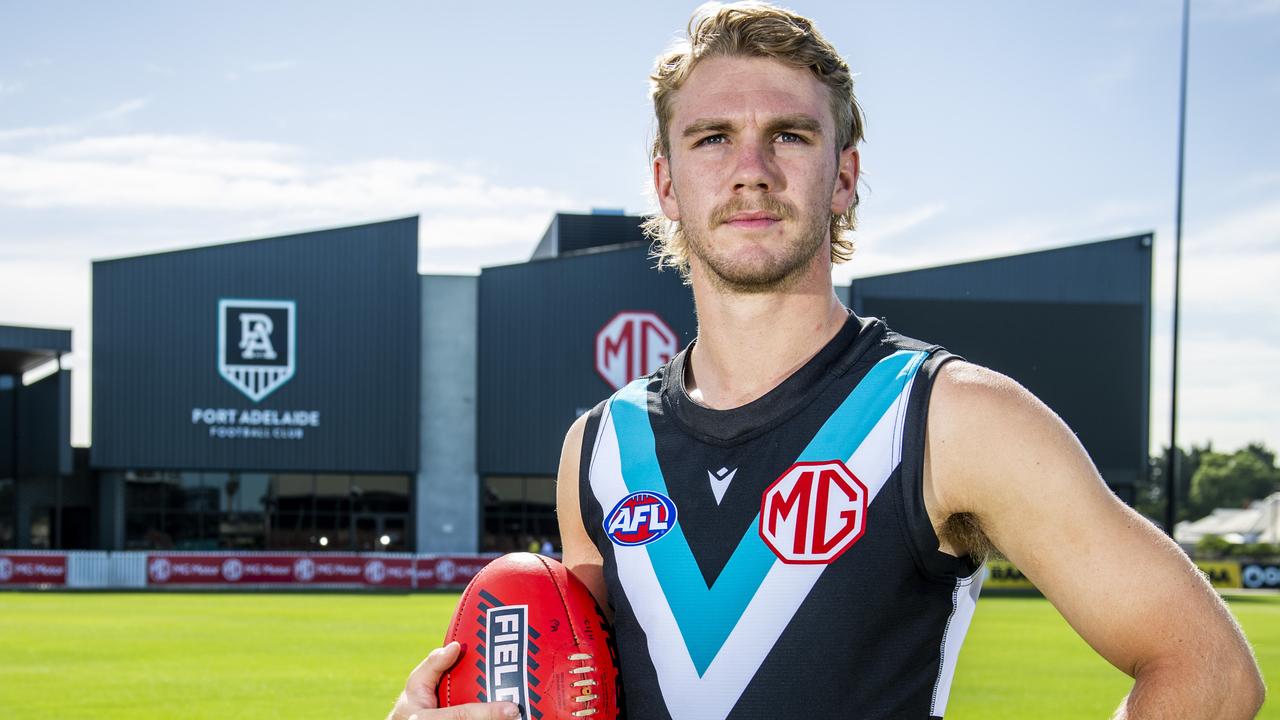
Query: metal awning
x=26 y=348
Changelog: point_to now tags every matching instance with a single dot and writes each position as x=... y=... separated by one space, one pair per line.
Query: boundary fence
x=373 y=571
x=250 y=570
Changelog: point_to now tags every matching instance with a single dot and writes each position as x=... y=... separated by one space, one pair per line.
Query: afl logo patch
x=640 y=518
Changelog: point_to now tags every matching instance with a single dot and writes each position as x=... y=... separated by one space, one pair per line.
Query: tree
x=1232 y=481
x=1150 y=494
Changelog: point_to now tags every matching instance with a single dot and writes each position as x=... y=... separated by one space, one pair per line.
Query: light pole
x=1171 y=483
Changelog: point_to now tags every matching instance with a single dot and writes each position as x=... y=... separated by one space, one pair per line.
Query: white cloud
x=208 y=173
x=142 y=193
x=1252 y=228
x=9 y=88
x=127 y=107
x=30 y=133
x=1236 y=9
x=161 y=70
x=1109 y=76
x=272 y=66
x=48 y=132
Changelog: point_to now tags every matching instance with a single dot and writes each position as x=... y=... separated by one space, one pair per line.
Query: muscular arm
x=580 y=554
x=998 y=454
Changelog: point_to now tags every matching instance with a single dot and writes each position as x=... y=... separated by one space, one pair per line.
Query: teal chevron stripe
x=707 y=615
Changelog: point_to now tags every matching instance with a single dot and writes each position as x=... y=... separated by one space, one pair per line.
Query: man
x=821 y=491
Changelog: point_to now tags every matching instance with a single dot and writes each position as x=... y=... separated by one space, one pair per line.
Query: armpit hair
x=963 y=532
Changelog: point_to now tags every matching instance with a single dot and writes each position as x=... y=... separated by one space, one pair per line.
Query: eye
x=711 y=140
x=790 y=138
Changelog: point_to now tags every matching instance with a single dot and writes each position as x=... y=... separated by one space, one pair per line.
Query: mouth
x=753 y=220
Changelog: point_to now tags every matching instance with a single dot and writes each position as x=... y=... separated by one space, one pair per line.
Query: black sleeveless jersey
x=776 y=560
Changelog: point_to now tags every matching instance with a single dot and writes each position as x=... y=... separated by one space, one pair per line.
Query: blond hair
x=751 y=29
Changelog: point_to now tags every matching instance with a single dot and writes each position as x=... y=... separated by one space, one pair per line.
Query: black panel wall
x=8 y=426
x=44 y=440
x=538 y=326
x=160 y=402
x=1072 y=325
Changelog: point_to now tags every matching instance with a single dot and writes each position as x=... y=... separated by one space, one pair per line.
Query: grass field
x=249 y=656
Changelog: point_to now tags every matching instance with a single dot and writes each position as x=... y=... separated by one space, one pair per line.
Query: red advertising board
x=296 y=570
x=32 y=569
x=452 y=571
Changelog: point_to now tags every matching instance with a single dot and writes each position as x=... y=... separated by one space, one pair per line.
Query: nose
x=756 y=167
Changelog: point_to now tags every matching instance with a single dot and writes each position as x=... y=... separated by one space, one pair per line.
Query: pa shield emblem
x=256 y=344
x=640 y=518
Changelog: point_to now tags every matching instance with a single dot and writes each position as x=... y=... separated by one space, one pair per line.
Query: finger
x=471 y=711
x=425 y=678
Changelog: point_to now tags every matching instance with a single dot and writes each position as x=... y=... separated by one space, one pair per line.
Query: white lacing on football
x=585 y=683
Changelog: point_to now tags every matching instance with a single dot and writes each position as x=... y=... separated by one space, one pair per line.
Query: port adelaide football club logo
x=256 y=344
x=640 y=518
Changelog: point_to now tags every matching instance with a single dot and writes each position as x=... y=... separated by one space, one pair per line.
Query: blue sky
x=993 y=127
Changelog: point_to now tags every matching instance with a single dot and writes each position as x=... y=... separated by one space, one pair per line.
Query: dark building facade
x=260 y=394
x=35 y=441
x=556 y=336
x=314 y=392
x=1072 y=325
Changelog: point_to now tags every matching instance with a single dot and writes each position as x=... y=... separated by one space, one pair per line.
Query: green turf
x=249 y=656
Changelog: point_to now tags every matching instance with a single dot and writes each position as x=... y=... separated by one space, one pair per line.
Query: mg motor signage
x=310 y=569
x=33 y=569
x=250 y=569
x=631 y=345
x=813 y=512
x=256 y=344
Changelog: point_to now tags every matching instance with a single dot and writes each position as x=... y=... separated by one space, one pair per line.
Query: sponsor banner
x=1260 y=575
x=38 y=569
x=298 y=570
x=1002 y=574
x=1221 y=574
x=449 y=571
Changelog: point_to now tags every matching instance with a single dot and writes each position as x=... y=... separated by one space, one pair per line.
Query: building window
x=520 y=514
x=266 y=511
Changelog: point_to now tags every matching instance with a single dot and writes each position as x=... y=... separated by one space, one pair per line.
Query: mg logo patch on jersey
x=507 y=630
x=813 y=512
x=632 y=345
x=256 y=343
x=640 y=518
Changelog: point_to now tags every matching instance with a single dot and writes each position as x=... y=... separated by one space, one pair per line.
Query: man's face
x=752 y=174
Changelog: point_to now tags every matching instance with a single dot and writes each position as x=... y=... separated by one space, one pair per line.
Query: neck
x=749 y=343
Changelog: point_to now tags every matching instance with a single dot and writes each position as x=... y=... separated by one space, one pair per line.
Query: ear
x=846 y=187
x=663 y=188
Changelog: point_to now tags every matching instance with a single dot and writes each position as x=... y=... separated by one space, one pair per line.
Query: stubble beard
x=752 y=276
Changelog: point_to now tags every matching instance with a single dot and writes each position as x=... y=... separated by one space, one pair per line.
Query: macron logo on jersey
x=640 y=518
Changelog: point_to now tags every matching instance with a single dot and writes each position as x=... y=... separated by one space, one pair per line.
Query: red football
x=532 y=634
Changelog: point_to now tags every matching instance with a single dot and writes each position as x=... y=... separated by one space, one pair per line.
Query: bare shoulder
x=997 y=454
x=568 y=474
x=579 y=552
x=982 y=427
x=571 y=451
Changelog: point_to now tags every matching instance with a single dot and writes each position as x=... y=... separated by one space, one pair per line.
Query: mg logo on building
x=813 y=512
x=256 y=343
x=631 y=345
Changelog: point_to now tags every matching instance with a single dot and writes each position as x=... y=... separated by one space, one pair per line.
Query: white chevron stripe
x=964 y=600
x=712 y=696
